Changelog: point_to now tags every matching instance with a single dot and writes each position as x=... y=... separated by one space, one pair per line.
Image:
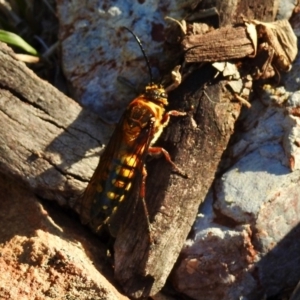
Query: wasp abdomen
x=114 y=189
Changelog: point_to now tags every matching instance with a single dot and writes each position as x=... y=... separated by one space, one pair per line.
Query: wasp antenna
x=144 y=53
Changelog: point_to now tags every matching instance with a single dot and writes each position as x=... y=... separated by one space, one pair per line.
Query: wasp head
x=156 y=93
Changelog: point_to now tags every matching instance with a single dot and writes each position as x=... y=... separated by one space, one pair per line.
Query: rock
x=247 y=235
x=285 y=9
x=44 y=254
x=97 y=51
x=213 y=265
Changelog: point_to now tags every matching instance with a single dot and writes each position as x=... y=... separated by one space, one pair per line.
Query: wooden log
x=218 y=45
x=44 y=134
x=229 y=42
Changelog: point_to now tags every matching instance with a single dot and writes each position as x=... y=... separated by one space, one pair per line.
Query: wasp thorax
x=156 y=93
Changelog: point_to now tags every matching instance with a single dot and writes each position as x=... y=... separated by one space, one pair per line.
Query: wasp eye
x=163 y=95
x=154 y=94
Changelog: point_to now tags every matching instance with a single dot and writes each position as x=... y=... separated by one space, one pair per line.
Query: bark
x=44 y=134
x=219 y=45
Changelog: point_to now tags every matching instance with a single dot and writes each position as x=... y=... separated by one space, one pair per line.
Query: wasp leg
x=159 y=151
x=268 y=64
x=142 y=196
x=174 y=113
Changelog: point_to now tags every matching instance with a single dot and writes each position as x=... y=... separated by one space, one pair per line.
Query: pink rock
x=45 y=254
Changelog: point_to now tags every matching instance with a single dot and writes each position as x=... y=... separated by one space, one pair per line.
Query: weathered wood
x=263 y=10
x=229 y=42
x=231 y=13
x=44 y=134
x=218 y=45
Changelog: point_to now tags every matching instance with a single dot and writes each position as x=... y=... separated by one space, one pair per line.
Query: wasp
x=123 y=160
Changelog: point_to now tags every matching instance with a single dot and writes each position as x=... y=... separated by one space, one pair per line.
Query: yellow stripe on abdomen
x=121 y=177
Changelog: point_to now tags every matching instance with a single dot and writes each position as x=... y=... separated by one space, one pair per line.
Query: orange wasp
x=124 y=156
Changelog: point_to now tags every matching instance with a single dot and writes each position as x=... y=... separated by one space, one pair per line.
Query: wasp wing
x=102 y=197
x=100 y=174
x=119 y=217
